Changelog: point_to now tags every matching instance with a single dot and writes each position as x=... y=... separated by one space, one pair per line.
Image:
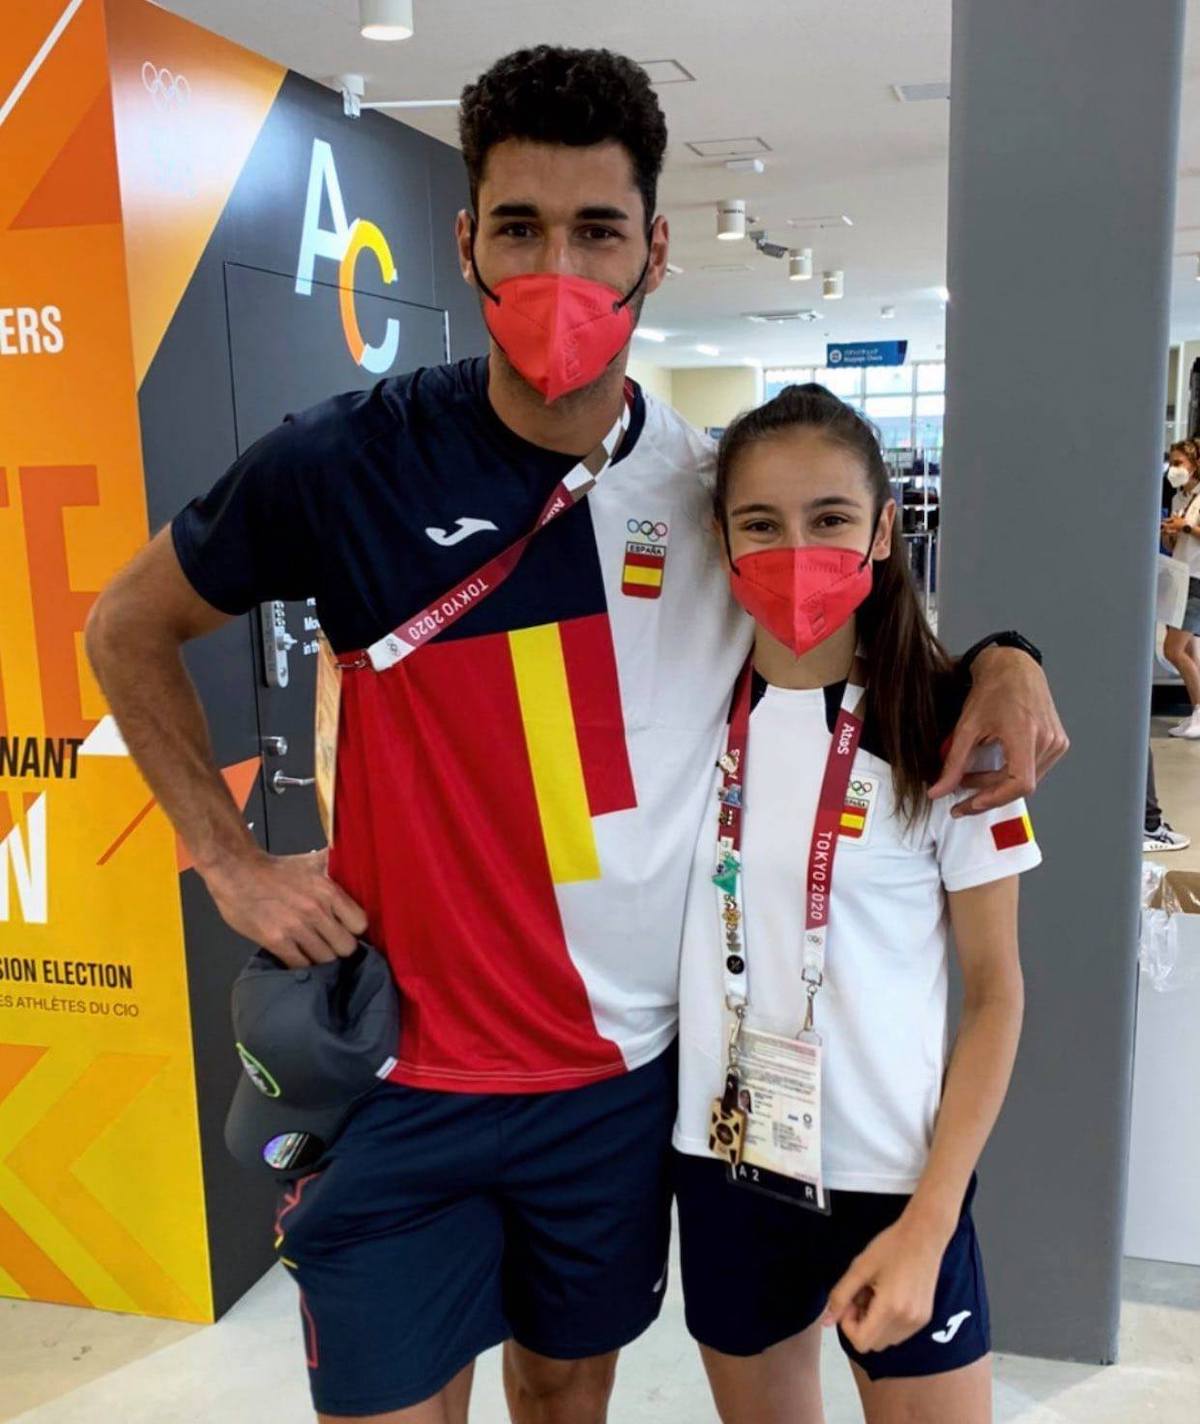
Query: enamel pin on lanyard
x=767 y=1122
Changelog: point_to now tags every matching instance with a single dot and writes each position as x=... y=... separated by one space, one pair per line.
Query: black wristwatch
x=999 y=640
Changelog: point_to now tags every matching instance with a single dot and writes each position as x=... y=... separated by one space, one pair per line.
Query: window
x=889 y=380
x=889 y=407
x=775 y=380
x=841 y=380
x=907 y=403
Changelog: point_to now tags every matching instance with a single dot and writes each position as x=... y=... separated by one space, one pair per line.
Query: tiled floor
x=64 y=1366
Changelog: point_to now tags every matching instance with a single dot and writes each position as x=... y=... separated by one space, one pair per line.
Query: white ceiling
x=810 y=77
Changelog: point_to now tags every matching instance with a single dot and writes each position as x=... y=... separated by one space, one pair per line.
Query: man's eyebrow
x=603 y=213
x=594 y=212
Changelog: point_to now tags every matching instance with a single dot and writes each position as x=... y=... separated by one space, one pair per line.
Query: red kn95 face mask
x=559 y=331
x=801 y=596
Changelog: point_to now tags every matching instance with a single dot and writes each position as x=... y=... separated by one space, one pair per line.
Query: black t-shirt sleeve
x=253 y=536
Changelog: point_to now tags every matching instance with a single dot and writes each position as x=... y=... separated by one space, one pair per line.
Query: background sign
x=866 y=353
x=101 y=1195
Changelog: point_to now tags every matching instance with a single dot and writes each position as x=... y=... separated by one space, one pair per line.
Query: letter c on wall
x=365 y=236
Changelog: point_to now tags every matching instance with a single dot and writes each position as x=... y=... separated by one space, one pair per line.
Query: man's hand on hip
x=1009 y=704
x=288 y=905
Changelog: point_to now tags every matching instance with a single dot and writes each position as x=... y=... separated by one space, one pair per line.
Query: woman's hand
x=1175 y=525
x=887 y=1294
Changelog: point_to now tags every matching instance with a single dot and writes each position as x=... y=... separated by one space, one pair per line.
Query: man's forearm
x=142 y=674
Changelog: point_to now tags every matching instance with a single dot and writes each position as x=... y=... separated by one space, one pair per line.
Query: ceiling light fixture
x=708 y=350
x=807 y=314
x=1198 y=266
x=745 y=165
x=943 y=295
x=836 y=220
x=386 y=19
x=731 y=219
x=800 y=268
x=649 y=333
x=833 y=286
x=888 y=313
x=412 y=104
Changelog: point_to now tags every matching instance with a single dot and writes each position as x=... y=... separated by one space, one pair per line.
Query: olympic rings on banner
x=647 y=528
x=166 y=89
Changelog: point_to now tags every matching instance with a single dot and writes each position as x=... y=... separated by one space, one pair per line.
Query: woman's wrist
x=933 y=1215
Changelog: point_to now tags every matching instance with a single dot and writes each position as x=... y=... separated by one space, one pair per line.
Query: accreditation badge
x=328 y=715
x=779 y=1092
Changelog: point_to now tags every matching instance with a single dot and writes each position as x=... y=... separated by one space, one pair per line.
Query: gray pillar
x=1063 y=137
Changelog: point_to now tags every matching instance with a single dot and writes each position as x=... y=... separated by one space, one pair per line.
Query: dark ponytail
x=908 y=667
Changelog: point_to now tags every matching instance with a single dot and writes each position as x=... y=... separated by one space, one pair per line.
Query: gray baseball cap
x=312 y=1041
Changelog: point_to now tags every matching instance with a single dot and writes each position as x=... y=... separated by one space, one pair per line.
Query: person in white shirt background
x=1181 y=532
x=805 y=516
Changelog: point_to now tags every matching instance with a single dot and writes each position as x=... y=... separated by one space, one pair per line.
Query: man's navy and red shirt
x=518 y=801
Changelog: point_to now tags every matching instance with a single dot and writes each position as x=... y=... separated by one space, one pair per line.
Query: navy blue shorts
x=757 y=1270
x=443 y=1223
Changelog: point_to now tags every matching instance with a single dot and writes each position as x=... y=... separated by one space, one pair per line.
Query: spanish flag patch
x=642 y=576
x=1008 y=835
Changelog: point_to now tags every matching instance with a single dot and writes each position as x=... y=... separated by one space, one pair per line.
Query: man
x=517 y=802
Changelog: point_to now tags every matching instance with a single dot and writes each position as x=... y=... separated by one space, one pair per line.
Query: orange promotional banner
x=101 y=1192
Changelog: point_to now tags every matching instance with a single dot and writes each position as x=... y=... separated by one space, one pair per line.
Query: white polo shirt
x=882 y=1011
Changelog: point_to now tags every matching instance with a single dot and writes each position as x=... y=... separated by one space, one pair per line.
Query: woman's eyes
x=823 y=522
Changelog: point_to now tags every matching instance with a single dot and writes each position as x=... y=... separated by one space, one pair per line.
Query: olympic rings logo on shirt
x=168 y=90
x=862 y=788
x=647 y=528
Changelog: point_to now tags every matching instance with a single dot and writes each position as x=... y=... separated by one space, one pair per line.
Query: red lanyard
x=831 y=804
x=416 y=631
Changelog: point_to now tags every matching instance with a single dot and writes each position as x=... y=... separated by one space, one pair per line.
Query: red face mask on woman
x=801 y=596
x=559 y=331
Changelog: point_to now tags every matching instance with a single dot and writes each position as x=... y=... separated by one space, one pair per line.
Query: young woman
x=1182 y=532
x=825 y=934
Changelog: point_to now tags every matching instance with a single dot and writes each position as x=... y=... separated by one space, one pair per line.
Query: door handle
x=277 y=642
x=280 y=783
x=275 y=746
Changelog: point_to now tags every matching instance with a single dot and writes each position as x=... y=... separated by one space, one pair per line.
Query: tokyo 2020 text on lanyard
x=422 y=627
x=767 y=1122
x=418 y=630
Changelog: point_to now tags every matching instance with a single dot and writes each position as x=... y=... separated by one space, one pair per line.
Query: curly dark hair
x=570 y=96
